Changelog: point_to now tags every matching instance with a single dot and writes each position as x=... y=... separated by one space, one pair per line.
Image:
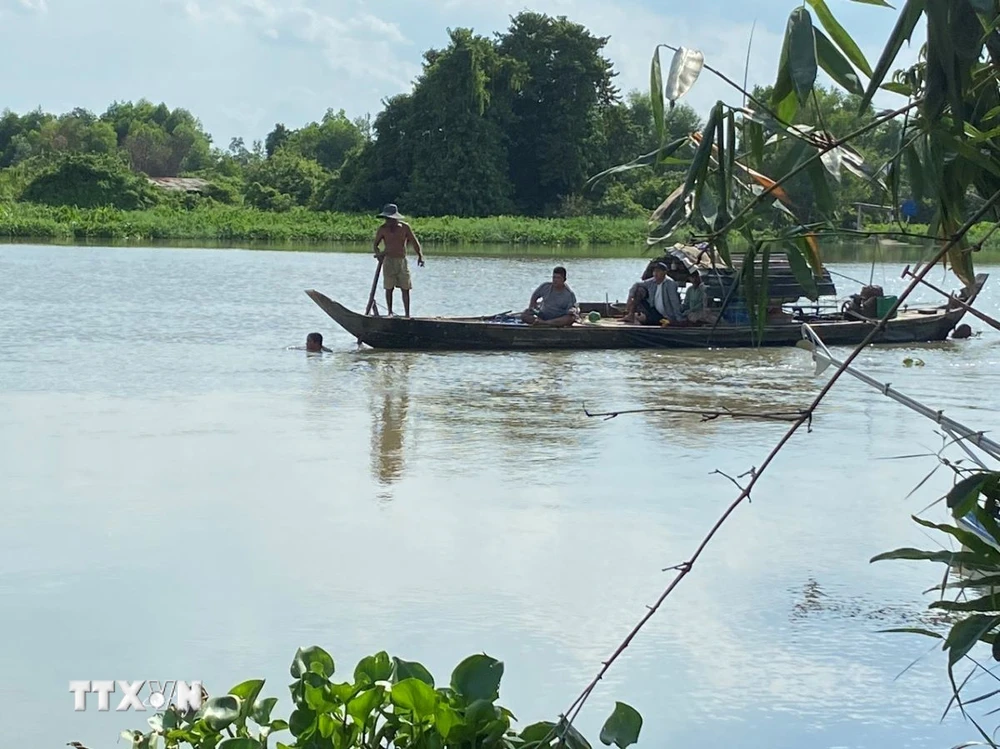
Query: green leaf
x=881 y=3
x=446 y=720
x=964 y=635
x=403 y=670
x=302 y=723
x=656 y=95
x=821 y=188
x=220 y=712
x=261 y=713
x=897 y=88
x=836 y=65
x=840 y=36
x=968 y=539
x=954 y=558
x=800 y=269
x=416 y=696
x=572 y=738
x=915 y=631
x=699 y=165
x=478 y=678
x=986 y=604
x=543 y=731
x=362 y=706
x=374 y=668
x=248 y=692
x=915 y=172
x=622 y=726
x=964 y=495
x=240 y=743
x=901 y=32
x=647 y=159
x=802 y=53
x=314 y=660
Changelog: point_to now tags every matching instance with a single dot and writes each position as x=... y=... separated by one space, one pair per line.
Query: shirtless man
x=395 y=270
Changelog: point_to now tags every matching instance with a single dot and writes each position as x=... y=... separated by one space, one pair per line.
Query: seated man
x=654 y=300
x=558 y=306
x=695 y=306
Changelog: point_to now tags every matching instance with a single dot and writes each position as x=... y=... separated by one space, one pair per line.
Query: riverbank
x=238 y=224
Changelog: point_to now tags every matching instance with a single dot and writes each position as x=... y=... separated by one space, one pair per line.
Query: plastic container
x=882 y=305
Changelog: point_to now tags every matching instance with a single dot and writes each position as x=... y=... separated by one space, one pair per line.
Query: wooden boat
x=500 y=333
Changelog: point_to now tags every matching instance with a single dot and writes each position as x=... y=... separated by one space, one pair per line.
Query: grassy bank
x=991 y=246
x=233 y=224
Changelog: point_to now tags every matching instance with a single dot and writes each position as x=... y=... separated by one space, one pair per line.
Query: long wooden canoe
x=488 y=334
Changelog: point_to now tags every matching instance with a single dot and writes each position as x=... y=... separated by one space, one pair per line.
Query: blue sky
x=242 y=65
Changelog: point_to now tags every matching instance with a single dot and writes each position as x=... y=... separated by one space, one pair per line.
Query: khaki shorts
x=396 y=273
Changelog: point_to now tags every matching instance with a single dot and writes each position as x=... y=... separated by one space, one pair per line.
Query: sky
x=243 y=65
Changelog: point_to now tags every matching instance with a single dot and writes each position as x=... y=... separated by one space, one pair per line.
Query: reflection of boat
x=505 y=333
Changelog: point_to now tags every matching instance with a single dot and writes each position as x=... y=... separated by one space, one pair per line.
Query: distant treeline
x=511 y=125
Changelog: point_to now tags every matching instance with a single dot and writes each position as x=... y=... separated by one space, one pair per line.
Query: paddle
x=371 y=296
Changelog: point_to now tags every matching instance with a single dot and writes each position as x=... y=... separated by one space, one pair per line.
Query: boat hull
x=474 y=334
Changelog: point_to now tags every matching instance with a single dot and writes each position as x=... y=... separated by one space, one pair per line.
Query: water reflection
x=389 y=389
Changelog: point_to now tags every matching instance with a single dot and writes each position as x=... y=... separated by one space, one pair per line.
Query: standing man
x=395 y=270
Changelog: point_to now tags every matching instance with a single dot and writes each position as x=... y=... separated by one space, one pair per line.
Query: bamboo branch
x=686 y=567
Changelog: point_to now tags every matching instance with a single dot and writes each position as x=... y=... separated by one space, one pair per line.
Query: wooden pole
x=371 y=296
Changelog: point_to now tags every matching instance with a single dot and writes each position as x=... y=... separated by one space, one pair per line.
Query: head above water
x=558 y=276
x=962 y=331
x=314 y=342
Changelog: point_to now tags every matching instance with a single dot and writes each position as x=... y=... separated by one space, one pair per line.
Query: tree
x=275 y=139
x=553 y=120
x=90 y=181
x=327 y=142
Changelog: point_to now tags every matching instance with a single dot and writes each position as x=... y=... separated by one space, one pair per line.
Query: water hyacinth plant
x=389 y=702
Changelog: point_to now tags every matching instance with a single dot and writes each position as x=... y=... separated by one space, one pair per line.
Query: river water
x=185 y=498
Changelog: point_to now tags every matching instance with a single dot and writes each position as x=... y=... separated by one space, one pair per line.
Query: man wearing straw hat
x=395 y=270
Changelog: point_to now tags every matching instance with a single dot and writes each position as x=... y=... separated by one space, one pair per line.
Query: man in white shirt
x=654 y=300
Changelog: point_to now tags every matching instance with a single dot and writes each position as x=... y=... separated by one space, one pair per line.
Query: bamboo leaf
x=964 y=635
x=810 y=249
x=914 y=631
x=783 y=99
x=656 y=96
x=755 y=134
x=802 y=53
x=821 y=188
x=840 y=36
x=800 y=269
x=881 y=3
x=764 y=297
x=897 y=88
x=731 y=165
x=941 y=52
x=836 y=65
x=970 y=540
x=647 y=159
x=684 y=71
x=915 y=172
x=985 y=604
x=699 y=165
x=915 y=555
x=964 y=495
x=901 y=32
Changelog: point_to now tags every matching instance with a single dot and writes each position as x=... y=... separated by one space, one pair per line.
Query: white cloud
x=38 y=6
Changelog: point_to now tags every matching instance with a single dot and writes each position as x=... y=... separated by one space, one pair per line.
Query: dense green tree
x=90 y=181
x=326 y=142
x=460 y=160
x=287 y=174
x=553 y=124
